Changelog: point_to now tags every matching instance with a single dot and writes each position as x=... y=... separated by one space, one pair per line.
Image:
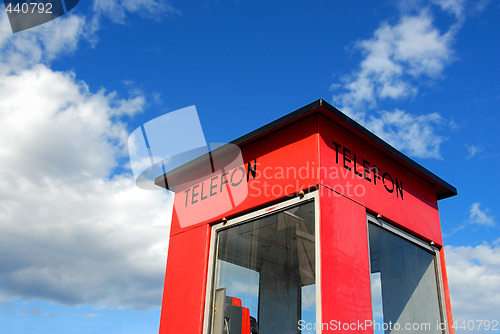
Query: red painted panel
x=446 y=291
x=345 y=268
x=185 y=282
x=399 y=195
x=236 y=301
x=283 y=161
x=245 y=326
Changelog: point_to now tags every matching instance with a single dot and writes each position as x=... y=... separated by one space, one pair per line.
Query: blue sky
x=83 y=249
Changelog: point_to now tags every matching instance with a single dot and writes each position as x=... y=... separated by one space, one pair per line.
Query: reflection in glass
x=266 y=266
x=404 y=288
x=377 y=309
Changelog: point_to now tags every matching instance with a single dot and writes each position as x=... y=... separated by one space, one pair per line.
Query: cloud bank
x=75 y=228
x=474 y=277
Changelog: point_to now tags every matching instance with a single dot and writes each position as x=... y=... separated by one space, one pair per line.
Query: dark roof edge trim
x=447 y=190
x=443 y=188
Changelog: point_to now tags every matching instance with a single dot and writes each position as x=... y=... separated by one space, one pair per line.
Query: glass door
x=264 y=277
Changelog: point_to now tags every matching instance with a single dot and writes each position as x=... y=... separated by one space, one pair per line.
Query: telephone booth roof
x=442 y=188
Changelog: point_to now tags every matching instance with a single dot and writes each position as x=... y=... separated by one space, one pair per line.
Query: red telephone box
x=310 y=224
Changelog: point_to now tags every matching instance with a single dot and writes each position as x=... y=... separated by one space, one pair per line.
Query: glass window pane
x=266 y=268
x=404 y=288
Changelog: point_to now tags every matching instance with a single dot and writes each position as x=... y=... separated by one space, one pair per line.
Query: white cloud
x=474 y=277
x=473 y=151
x=481 y=217
x=61 y=36
x=396 y=59
x=72 y=231
x=40 y=44
x=117 y=10
x=455 y=7
x=412 y=134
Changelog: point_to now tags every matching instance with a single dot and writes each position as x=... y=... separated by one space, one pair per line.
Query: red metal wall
x=345 y=267
x=183 y=301
x=446 y=288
